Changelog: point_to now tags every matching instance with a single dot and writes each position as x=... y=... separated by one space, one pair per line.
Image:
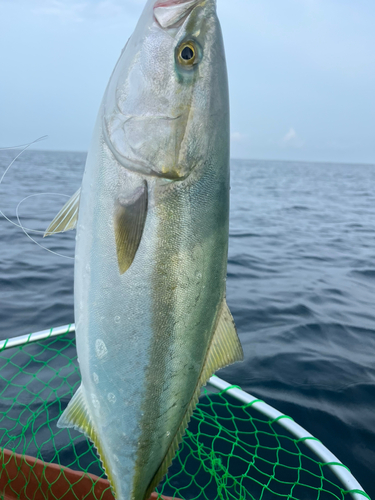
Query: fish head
x=168 y=91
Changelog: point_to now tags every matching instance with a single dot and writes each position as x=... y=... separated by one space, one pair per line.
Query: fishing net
x=230 y=450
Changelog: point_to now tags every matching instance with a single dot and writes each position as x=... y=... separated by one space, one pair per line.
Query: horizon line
x=324 y=162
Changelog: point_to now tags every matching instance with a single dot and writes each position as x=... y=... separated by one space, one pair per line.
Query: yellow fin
x=129 y=221
x=225 y=349
x=67 y=218
x=77 y=416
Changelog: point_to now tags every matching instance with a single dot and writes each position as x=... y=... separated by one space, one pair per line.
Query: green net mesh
x=230 y=451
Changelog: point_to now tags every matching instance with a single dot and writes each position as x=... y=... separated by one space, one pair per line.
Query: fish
x=152 y=222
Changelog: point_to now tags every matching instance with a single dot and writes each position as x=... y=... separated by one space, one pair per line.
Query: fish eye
x=187 y=54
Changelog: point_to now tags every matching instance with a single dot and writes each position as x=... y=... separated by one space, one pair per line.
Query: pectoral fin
x=129 y=221
x=224 y=350
x=77 y=416
x=67 y=218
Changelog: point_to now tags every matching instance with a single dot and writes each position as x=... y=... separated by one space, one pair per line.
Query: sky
x=301 y=74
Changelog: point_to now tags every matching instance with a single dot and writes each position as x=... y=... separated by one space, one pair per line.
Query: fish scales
x=152 y=240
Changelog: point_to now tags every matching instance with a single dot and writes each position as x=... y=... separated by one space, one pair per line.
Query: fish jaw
x=172 y=13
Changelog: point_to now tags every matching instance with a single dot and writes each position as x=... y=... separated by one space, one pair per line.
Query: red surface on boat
x=24 y=478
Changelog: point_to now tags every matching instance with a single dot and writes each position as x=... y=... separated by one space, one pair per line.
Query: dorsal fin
x=129 y=221
x=225 y=349
x=77 y=416
x=67 y=218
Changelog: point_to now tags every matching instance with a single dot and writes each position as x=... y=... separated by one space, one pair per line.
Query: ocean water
x=301 y=285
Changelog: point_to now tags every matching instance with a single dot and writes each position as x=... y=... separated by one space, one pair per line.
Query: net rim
x=347 y=479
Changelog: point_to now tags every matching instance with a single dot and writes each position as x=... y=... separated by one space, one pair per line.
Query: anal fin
x=67 y=218
x=77 y=416
x=225 y=349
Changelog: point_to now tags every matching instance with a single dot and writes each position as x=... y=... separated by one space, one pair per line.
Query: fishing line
x=7 y=170
x=24 y=145
x=27 y=234
x=26 y=230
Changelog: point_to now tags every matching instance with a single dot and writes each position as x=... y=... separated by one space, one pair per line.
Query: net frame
x=324 y=454
x=343 y=474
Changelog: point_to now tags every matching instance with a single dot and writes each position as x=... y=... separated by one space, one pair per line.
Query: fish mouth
x=172 y=13
x=152 y=154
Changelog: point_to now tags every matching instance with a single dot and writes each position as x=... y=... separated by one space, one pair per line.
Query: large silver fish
x=152 y=239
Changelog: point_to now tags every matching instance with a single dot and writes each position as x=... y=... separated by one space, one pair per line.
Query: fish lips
x=146 y=144
x=172 y=13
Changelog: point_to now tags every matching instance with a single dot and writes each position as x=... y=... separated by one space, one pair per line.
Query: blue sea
x=301 y=284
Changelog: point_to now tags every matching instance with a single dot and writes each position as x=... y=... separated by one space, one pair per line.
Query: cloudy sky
x=302 y=73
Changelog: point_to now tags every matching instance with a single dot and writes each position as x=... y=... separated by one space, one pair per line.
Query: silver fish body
x=152 y=242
